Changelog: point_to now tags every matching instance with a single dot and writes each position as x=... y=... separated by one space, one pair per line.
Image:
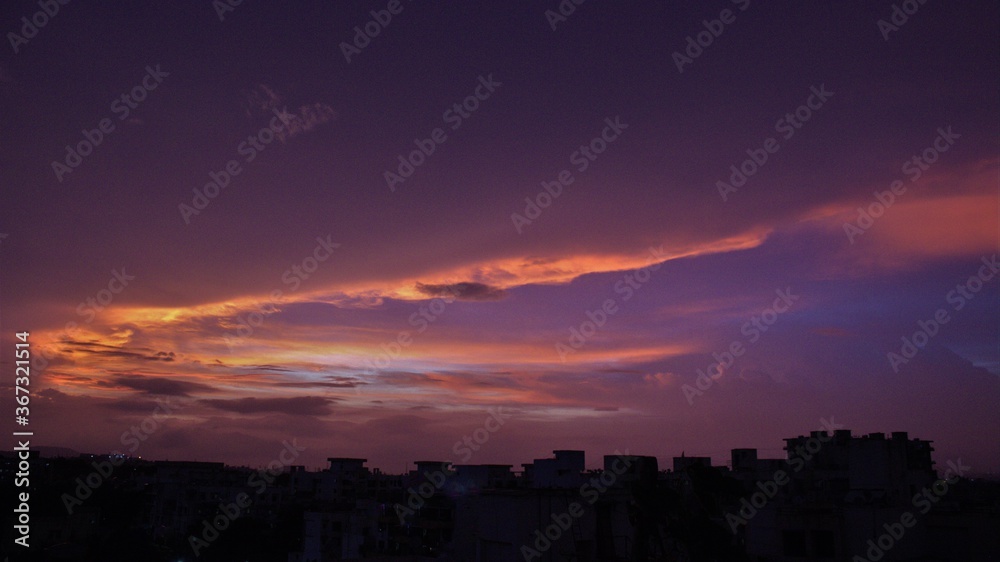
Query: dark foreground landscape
x=835 y=496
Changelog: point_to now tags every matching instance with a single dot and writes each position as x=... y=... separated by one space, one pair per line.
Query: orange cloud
x=939 y=227
x=197 y=332
x=950 y=214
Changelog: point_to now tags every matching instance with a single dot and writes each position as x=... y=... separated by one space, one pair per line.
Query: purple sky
x=310 y=299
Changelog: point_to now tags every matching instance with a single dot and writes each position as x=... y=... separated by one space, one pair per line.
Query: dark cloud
x=297 y=406
x=143 y=406
x=404 y=377
x=160 y=385
x=270 y=368
x=307 y=384
x=142 y=353
x=468 y=291
x=51 y=393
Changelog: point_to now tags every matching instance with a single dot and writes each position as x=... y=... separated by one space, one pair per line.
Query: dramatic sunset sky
x=305 y=369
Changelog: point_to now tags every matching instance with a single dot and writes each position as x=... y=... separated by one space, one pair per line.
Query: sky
x=369 y=227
